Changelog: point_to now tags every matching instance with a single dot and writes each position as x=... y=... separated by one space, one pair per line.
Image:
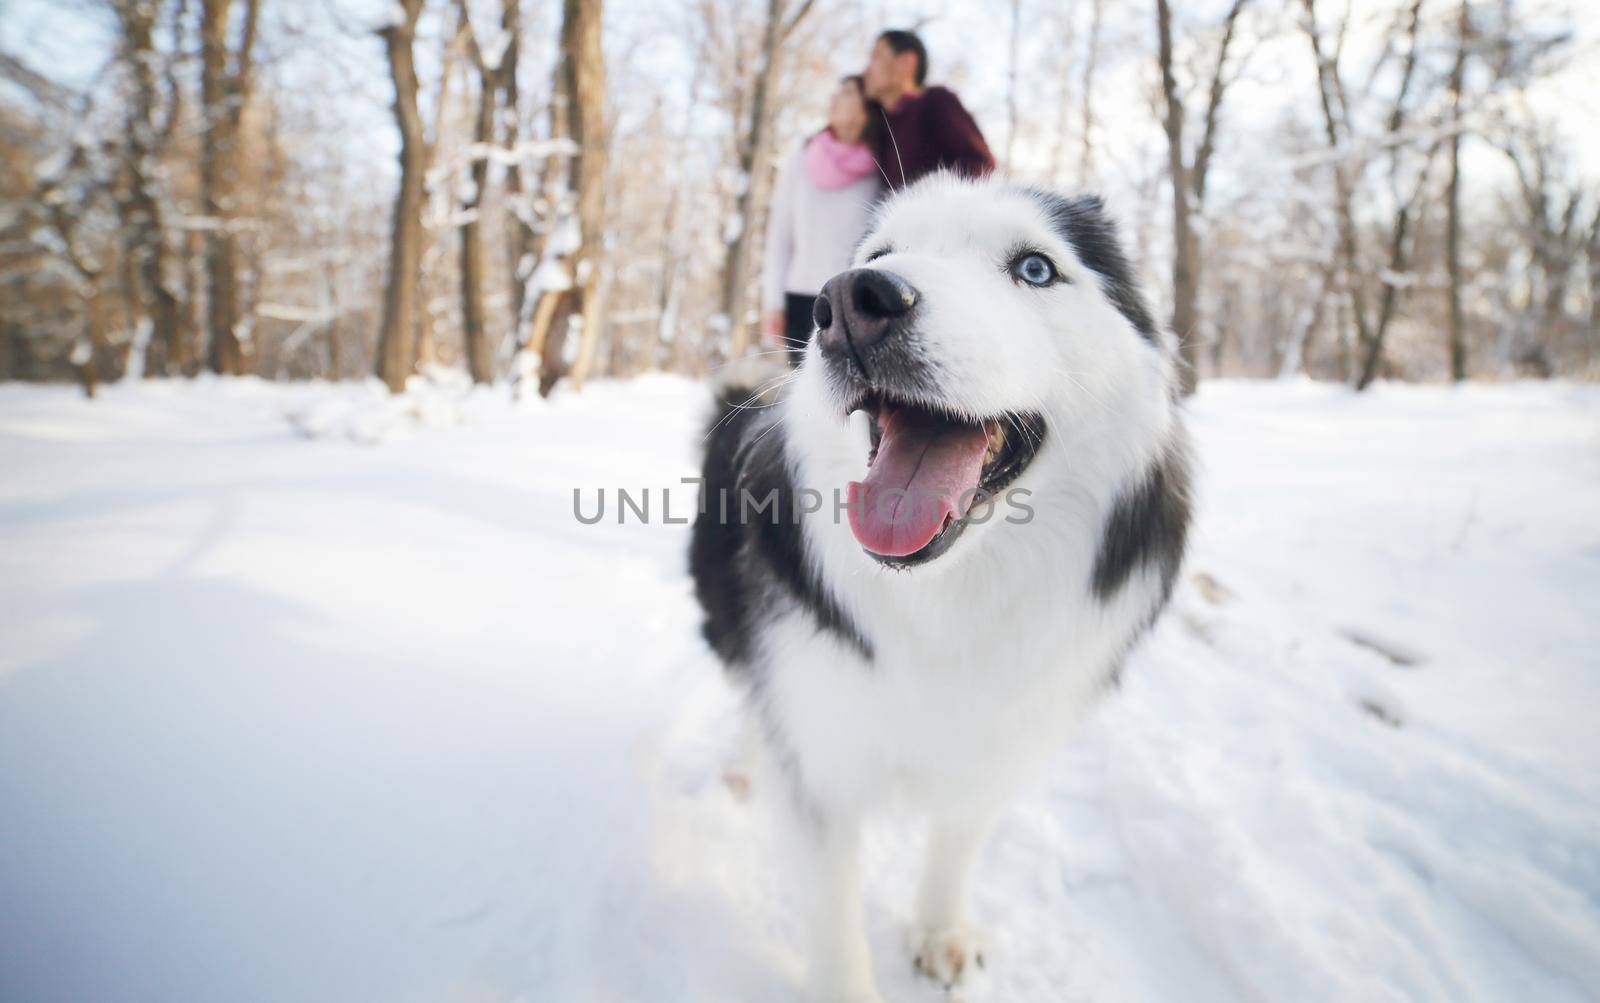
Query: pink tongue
x=926 y=468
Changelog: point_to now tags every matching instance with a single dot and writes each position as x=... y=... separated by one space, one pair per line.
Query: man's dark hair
x=903 y=42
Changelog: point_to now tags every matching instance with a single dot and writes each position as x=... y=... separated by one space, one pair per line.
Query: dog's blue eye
x=1034 y=269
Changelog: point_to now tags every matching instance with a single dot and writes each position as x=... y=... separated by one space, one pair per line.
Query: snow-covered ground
x=352 y=707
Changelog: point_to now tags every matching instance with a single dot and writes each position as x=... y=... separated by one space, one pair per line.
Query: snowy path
x=287 y=719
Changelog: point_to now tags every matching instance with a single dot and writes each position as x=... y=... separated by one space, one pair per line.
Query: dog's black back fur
x=738 y=467
x=1148 y=525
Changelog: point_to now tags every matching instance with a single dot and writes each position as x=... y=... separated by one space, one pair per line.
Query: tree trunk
x=89 y=343
x=1185 y=290
x=1554 y=239
x=584 y=68
x=1592 y=252
x=1556 y=264
x=1399 y=256
x=139 y=209
x=754 y=164
x=1293 y=359
x=223 y=94
x=1399 y=261
x=397 y=332
x=1189 y=183
x=216 y=143
x=479 y=350
x=191 y=358
x=519 y=252
x=755 y=167
x=1086 y=155
x=669 y=347
x=1065 y=46
x=1328 y=88
x=554 y=183
x=1452 y=230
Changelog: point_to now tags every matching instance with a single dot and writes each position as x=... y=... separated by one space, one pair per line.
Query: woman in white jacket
x=820 y=210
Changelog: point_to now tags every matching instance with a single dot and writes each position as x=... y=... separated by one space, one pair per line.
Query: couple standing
x=885 y=130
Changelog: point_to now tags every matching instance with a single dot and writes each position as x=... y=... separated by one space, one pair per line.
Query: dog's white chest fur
x=980 y=668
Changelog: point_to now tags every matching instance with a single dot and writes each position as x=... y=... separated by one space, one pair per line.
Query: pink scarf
x=833 y=164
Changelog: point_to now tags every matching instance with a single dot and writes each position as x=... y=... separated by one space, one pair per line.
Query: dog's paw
x=947 y=955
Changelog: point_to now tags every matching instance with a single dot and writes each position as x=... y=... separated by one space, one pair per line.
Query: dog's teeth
x=997 y=438
x=997 y=442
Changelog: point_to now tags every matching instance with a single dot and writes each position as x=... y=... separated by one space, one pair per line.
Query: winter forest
x=327 y=326
x=536 y=192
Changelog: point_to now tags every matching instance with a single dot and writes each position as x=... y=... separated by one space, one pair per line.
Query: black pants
x=797 y=324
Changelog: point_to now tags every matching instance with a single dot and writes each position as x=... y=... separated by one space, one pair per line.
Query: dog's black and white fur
x=946 y=677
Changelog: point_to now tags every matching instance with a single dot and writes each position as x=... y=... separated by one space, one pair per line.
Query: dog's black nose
x=881 y=295
x=861 y=307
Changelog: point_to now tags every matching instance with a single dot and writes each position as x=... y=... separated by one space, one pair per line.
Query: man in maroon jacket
x=928 y=127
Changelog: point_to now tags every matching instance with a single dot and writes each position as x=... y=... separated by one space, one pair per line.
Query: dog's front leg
x=944 y=946
x=841 y=964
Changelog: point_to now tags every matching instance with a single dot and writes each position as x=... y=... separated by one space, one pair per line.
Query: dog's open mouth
x=927 y=469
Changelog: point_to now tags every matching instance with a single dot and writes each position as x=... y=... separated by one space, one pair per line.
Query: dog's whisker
x=752 y=355
x=1072 y=378
x=879 y=165
x=775 y=382
x=890 y=129
x=777 y=420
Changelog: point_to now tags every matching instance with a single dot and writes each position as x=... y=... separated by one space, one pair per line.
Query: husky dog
x=923 y=600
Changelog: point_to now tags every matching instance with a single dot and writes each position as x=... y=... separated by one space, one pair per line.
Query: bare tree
x=1551 y=202
x=138 y=200
x=559 y=238
x=1309 y=319
x=669 y=289
x=583 y=84
x=1329 y=91
x=225 y=80
x=491 y=67
x=1189 y=180
x=1592 y=252
x=1405 y=210
x=1090 y=64
x=62 y=233
x=397 y=345
x=444 y=149
x=519 y=237
x=1064 y=65
x=1452 y=239
x=754 y=154
x=1370 y=333
x=65 y=220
